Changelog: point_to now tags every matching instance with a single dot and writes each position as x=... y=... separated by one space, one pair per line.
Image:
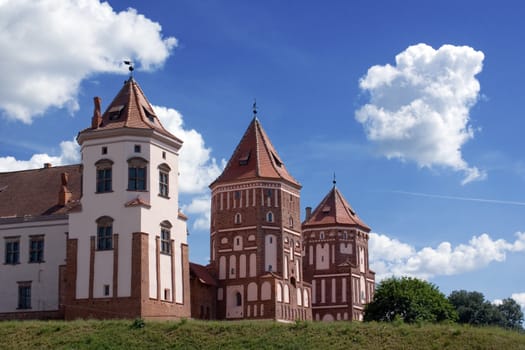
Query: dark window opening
x=243 y=159
x=165 y=241
x=104 y=150
x=149 y=115
x=137 y=148
x=36 y=249
x=104 y=180
x=292 y=281
x=114 y=112
x=24 y=296
x=163 y=155
x=238 y=298
x=106 y=290
x=105 y=233
x=137 y=179
x=277 y=160
x=12 y=252
x=163 y=184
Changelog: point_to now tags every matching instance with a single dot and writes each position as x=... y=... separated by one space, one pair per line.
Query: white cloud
x=196 y=167
x=200 y=207
x=391 y=257
x=520 y=299
x=49 y=47
x=419 y=108
x=69 y=154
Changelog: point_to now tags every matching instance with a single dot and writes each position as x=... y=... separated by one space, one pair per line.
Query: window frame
x=137 y=174
x=104 y=233
x=24 y=296
x=36 y=253
x=165 y=237
x=164 y=180
x=12 y=256
x=104 y=177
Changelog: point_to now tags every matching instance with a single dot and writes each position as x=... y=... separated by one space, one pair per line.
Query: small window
x=12 y=251
x=290 y=221
x=345 y=235
x=137 y=174
x=36 y=249
x=167 y=294
x=268 y=193
x=104 y=150
x=165 y=240
x=105 y=233
x=269 y=216
x=106 y=290
x=163 y=155
x=238 y=218
x=321 y=235
x=163 y=183
x=270 y=268
x=24 y=295
x=238 y=298
x=137 y=148
x=243 y=159
x=149 y=115
x=115 y=111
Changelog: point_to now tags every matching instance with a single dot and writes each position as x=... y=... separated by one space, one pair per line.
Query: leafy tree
x=472 y=308
x=511 y=313
x=410 y=299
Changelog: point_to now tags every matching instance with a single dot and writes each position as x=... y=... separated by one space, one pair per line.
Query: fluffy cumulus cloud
x=196 y=167
x=50 y=46
x=69 y=154
x=200 y=208
x=520 y=299
x=419 y=107
x=391 y=257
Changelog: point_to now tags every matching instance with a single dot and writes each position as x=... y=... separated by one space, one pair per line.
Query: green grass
x=187 y=334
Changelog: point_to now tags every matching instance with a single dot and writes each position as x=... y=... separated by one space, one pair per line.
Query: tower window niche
x=137 y=167
x=104 y=175
x=104 y=233
x=164 y=172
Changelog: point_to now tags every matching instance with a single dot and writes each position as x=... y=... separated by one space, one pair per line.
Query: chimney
x=47 y=165
x=64 y=195
x=97 y=117
x=308 y=212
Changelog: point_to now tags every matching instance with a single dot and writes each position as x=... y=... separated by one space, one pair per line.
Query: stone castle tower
x=336 y=259
x=127 y=252
x=256 y=245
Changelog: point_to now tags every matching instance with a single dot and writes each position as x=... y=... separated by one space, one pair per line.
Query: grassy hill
x=250 y=335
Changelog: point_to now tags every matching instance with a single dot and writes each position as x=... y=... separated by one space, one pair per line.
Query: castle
x=106 y=238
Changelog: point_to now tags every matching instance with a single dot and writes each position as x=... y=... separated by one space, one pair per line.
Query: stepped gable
x=129 y=109
x=33 y=193
x=254 y=158
x=334 y=210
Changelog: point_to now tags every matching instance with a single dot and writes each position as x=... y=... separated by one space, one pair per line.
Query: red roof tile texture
x=202 y=273
x=253 y=158
x=36 y=192
x=129 y=109
x=334 y=210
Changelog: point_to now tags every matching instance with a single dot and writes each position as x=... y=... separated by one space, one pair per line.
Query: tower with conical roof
x=127 y=252
x=256 y=241
x=336 y=259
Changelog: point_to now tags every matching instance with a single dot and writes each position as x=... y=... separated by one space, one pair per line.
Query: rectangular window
x=165 y=241
x=36 y=249
x=167 y=294
x=104 y=180
x=24 y=295
x=12 y=251
x=104 y=150
x=106 y=290
x=105 y=238
x=137 y=148
x=163 y=184
x=136 y=179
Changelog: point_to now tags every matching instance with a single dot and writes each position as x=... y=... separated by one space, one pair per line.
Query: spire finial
x=130 y=68
x=254 y=108
x=334 y=181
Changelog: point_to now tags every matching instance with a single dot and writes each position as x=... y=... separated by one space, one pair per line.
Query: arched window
x=238 y=299
x=321 y=235
x=137 y=167
x=238 y=218
x=165 y=237
x=104 y=233
x=164 y=176
x=104 y=176
x=269 y=216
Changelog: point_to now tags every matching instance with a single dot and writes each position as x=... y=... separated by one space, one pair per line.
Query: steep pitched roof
x=202 y=273
x=255 y=157
x=334 y=210
x=129 y=109
x=35 y=192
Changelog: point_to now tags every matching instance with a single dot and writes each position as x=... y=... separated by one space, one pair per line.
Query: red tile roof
x=253 y=158
x=130 y=109
x=334 y=210
x=202 y=273
x=35 y=192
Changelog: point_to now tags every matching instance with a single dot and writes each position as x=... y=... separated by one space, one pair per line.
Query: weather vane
x=130 y=68
x=254 y=108
x=334 y=181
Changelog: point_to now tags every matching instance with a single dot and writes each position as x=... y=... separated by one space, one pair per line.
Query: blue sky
x=416 y=108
